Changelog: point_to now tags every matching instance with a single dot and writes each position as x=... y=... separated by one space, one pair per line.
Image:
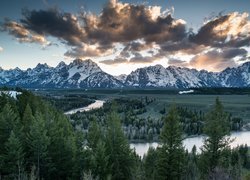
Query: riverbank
x=240 y=138
x=97 y=104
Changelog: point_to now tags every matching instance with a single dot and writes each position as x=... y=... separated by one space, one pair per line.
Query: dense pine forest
x=39 y=142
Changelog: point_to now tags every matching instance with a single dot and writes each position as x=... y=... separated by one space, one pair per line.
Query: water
x=95 y=105
x=240 y=138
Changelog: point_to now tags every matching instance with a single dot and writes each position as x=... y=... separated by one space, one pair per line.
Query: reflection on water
x=240 y=138
x=95 y=105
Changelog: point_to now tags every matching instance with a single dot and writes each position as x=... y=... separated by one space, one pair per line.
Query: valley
x=142 y=111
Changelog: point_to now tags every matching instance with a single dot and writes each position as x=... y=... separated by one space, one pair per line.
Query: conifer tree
x=118 y=150
x=8 y=119
x=14 y=157
x=171 y=154
x=62 y=149
x=38 y=141
x=150 y=164
x=216 y=128
x=94 y=134
x=27 y=118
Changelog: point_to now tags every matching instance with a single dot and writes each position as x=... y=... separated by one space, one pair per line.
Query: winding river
x=142 y=148
x=239 y=139
x=95 y=105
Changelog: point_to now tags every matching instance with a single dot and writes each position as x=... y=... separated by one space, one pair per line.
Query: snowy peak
x=122 y=77
x=177 y=77
x=87 y=74
x=73 y=75
x=61 y=65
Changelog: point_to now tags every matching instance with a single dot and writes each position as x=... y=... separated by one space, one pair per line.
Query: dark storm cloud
x=122 y=22
x=64 y=26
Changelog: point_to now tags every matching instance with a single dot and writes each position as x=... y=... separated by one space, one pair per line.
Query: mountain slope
x=87 y=74
x=62 y=76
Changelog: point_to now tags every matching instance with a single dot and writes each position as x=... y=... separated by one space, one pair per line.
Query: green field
x=237 y=104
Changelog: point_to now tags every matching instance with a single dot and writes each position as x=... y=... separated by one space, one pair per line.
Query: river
x=95 y=105
x=240 y=138
x=142 y=148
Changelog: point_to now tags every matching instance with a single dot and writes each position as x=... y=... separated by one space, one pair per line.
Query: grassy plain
x=236 y=103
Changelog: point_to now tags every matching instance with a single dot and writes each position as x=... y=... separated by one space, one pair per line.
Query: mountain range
x=87 y=74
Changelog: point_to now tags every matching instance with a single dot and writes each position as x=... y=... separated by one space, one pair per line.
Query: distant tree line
x=138 y=128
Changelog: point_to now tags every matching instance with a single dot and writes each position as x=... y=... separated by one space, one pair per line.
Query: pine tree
x=171 y=153
x=101 y=161
x=216 y=128
x=8 y=119
x=94 y=134
x=27 y=119
x=150 y=164
x=14 y=157
x=118 y=150
x=62 y=149
x=191 y=169
x=38 y=141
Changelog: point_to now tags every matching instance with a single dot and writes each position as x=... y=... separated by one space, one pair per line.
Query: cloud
x=22 y=34
x=64 y=26
x=86 y=50
x=144 y=34
x=1 y=49
x=177 y=62
x=231 y=30
x=123 y=22
x=136 y=58
x=216 y=60
x=114 y=61
x=118 y=23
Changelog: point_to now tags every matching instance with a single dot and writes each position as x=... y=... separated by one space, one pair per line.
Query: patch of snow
x=186 y=92
x=10 y=93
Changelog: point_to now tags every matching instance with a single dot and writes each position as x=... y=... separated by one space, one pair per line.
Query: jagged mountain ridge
x=87 y=74
x=78 y=74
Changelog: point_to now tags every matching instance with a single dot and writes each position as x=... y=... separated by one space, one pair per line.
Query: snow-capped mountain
x=87 y=74
x=121 y=77
x=78 y=74
x=176 y=77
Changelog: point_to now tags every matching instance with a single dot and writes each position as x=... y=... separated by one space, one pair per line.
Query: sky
x=121 y=36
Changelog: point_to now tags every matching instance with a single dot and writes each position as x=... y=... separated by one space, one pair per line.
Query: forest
x=39 y=142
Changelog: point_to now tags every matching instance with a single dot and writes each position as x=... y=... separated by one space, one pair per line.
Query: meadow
x=236 y=102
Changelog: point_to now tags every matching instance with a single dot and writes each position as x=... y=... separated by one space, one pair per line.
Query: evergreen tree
x=118 y=150
x=62 y=149
x=171 y=153
x=101 y=161
x=38 y=141
x=150 y=162
x=27 y=119
x=216 y=128
x=94 y=134
x=8 y=119
x=99 y=158
x=14 y=157
x=191 y=169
